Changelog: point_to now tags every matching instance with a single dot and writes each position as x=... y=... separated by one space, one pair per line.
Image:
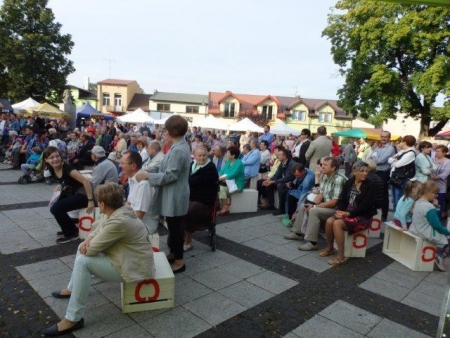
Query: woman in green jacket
x=233 y=169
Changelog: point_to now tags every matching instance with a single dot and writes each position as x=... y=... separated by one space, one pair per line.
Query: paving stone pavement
x=256 y=284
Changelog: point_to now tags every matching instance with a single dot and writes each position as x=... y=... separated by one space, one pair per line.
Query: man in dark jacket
x=83 y=155
x=283 y=175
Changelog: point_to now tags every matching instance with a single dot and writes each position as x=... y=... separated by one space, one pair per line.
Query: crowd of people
x=141 y=175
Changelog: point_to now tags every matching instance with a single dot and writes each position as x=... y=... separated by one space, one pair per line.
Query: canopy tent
x=5 y=106
x=211 y=122
x=24 y=105
x=281 y=128
x=366 y=133
x=138 y=116
x=163 y=120
x=246 y=124
x=47 y=110
x=443 y=135
x=87 y=111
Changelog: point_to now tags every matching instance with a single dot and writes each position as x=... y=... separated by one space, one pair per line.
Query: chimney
x=86 y=82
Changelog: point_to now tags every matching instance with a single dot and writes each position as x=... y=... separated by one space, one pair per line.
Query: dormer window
x=298 y=115
x=267 y=112
x=229 y=109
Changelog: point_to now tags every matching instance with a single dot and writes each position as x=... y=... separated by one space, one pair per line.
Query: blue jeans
x=60 y=209
x=397 y=193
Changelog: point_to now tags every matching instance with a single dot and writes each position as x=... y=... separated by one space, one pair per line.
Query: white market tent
x=24 y=105
x=211 y=122
x=281 y=128
x=138 y=116
x=163 y=121
x=246 y=124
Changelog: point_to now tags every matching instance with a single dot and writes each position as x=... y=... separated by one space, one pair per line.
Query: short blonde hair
x=111 y=194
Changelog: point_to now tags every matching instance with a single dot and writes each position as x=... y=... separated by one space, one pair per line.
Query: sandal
x=336 y=261
x=326 y=253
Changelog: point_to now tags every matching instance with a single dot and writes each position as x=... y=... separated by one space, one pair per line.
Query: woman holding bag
x=402 y=167
x=233 y=170
x=76 y=193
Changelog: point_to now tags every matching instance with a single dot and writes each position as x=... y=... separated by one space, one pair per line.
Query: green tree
x=394 y=57
x=32 y=50
x=92 y=86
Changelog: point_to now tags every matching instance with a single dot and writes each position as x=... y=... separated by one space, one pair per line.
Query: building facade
x=114 y=95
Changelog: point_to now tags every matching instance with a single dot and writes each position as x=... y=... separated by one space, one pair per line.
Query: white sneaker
x=308 y=247
x=187 y=247
x=295 y=236
x=440 y=263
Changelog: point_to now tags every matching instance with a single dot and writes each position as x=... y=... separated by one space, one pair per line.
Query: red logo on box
x=84 y=218
x=363 y=241
x=431 y=258
x=137 y=291
x=377 y=225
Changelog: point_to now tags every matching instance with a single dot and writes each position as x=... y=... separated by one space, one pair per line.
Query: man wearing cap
x=104 y=171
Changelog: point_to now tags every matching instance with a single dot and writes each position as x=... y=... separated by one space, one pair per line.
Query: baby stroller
x=35 y=174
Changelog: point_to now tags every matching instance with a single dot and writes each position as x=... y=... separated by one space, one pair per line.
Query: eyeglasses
x=126 y=163
x=53 y=157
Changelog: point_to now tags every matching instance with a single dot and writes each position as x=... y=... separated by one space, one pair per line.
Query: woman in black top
x=76 y=193
x=203 y=180
x=354 y=211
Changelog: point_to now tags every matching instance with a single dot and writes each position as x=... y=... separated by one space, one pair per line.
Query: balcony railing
x=117 y=109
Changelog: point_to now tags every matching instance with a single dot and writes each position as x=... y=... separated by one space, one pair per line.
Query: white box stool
x=408 y=249
x=375 y=228
x=151 y=294
x=154 y=239
x=85 y=222
x=355 y=245
x=245 y=201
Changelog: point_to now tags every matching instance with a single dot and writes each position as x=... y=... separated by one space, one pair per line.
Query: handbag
x=397 y=179
x=232 y=187
x=55 y=198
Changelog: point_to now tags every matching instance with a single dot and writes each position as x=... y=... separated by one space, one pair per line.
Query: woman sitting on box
x=118 y=250
x=354 y=212
x=233 y=170
x=203 y=179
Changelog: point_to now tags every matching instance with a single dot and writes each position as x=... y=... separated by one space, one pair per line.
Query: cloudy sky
x=246 y=46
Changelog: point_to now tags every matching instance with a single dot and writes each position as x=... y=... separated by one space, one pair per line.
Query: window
x=321 y=117
x=163 y=107
x=267 y=112
x=298 y=115
x=228 y=110
x=192 y=109
x=105 y=100
x=118 y=100
x=328 y=117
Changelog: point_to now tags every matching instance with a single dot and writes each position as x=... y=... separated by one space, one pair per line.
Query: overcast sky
x=246 y=46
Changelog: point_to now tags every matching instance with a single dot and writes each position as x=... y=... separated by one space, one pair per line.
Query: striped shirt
x=331 y=187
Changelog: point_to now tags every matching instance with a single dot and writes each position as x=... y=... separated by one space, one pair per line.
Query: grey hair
x=359 y=166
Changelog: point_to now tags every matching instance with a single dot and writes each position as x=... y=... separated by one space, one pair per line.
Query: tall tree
x=32 y=50
x=394 y=57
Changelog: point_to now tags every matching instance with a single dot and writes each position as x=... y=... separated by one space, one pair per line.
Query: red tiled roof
x=227 y=94
x=248 y=102
x=116 y=82
x=268 y=97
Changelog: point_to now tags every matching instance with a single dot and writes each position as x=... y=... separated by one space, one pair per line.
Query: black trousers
x=175 y=240
x=384 y=175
